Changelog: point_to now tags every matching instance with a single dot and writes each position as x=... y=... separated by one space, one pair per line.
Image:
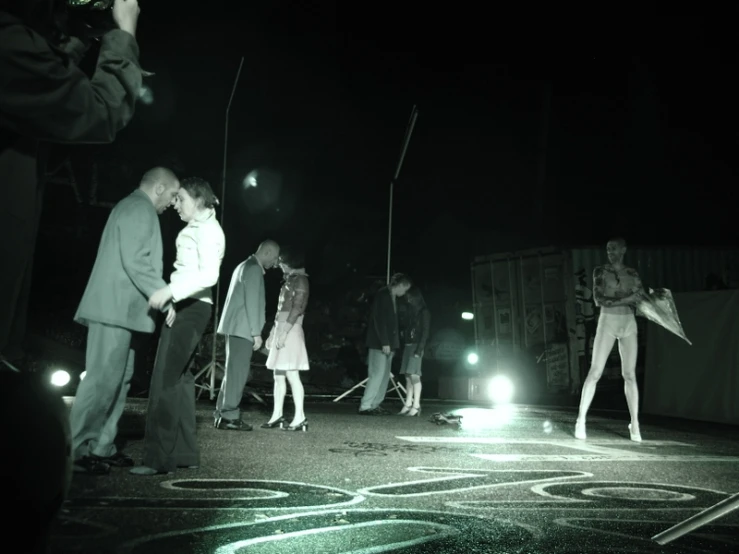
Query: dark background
x=535 y=128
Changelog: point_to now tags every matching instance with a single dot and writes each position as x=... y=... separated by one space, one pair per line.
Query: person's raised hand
x=126 y=15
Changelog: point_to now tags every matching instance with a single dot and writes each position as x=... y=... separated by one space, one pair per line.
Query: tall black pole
x=406 y=140
x=216 y=304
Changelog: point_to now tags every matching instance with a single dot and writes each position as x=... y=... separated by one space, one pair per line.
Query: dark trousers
x=17 y=249
x=238 y=363
x=170 y=439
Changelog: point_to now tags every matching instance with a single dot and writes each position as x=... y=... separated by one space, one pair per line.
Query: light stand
x=397 y=387
x=406 y=140
x=205 y=379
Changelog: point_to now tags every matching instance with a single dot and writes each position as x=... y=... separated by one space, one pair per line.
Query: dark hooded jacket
x=45 y=98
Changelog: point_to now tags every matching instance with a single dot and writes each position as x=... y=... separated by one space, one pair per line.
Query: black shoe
x=91 y=466
x=276 y=423
x=367 y=412
x=381 y=411
x=232 y=424
x=119 y=459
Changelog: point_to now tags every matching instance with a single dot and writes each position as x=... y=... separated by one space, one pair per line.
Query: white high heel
x=634 y=436
x=405 y=409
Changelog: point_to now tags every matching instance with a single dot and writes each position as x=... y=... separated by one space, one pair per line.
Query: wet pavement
x=509 y=481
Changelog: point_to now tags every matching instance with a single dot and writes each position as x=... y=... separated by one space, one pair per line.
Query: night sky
x=534 y=128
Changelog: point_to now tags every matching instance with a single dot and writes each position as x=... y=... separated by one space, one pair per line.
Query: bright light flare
x=500 y=389
x=146 y=95
x=477 y=419
x=60 y=378
x=251 y=179
x=82 y=375
x=472 y=358
x=468 y=316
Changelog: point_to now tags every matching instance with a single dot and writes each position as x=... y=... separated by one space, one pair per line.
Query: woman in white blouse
x=170 y=440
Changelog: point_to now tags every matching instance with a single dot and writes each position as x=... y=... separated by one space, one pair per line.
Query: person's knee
x=628 y=376
x=594 y=375
x=415 y=379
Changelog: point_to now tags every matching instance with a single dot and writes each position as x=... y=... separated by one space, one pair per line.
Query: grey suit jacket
x=128 y=268
x=244 y=311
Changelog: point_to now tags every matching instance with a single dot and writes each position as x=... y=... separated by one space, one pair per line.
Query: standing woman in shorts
x=417 y=333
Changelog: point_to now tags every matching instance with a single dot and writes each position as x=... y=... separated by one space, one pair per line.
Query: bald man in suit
x=114 y=307
x=242 y=322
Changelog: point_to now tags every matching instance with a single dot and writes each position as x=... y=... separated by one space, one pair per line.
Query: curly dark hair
x=200 y=189
x=292 y=257
x=415 y=298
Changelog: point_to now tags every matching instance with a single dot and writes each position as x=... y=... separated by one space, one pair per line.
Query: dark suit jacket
x=244 y=311
x=128 y=268
x=382 y=328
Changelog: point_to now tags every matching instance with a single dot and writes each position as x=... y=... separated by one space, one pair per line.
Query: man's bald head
x=161 y=185
x=268 y=253
x=159 y=175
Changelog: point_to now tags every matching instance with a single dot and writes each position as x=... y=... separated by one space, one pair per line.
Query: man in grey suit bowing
x=115 y=309
x=242 y=322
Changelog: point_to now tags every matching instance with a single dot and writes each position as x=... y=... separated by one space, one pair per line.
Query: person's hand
x=171 y=314
x=419 y=354
x=257 y=343
x=281 y=341
x=126 y=15
x=386 y=350
x=160 y=298
x=637 y=297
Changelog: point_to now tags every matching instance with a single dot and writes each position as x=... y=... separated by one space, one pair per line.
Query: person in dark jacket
x=45 y=98
x=416 y=335
x=382 y=341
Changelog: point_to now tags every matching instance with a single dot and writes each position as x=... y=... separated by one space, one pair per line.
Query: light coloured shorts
x=618 y=326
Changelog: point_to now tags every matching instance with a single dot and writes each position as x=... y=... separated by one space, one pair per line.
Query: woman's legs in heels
x=280 y=390
x=296 y=388
x=409 y=395
x=416 y=388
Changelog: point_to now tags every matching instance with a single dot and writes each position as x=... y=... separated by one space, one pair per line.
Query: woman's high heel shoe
x=414 y=412
x=302 y=426
x=405 y=410
x=276 y=423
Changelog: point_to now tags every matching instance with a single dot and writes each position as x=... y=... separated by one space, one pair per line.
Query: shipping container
x=534 y=315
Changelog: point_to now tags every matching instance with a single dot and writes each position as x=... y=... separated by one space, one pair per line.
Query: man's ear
x=159 y=189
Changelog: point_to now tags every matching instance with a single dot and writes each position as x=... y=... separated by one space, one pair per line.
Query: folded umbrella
x=659 y=306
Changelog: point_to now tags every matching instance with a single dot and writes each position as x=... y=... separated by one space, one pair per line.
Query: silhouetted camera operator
x=45 y=98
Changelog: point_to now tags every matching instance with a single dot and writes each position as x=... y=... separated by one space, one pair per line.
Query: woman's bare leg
x=279 y=391
x=298 y=392
x=416 y=380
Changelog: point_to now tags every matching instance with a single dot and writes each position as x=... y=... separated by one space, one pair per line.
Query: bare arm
x=638 y=288
x=599 y=297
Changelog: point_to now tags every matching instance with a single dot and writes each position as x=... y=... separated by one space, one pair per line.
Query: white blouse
x=201 y=246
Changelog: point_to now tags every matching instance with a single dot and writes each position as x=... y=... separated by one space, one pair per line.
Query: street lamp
x=468 y=316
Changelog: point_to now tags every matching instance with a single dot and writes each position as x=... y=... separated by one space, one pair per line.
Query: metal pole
x=223 y=217
x=698 y=520
x=406 y=140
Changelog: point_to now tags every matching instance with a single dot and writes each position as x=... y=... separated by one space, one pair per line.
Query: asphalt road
x=505 y=481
